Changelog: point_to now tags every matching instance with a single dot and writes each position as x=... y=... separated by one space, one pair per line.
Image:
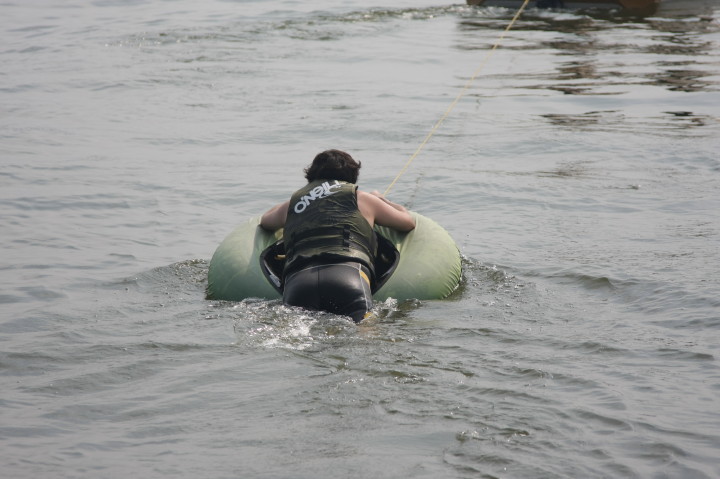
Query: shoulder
x=366 y=196
x=368 y=199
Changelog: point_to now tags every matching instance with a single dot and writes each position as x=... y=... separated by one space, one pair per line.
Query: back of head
x=333 y=165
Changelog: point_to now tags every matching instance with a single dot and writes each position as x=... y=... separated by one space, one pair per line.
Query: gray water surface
x=579 y=177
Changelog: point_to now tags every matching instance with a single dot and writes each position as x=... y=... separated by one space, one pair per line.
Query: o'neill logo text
x=316 y=193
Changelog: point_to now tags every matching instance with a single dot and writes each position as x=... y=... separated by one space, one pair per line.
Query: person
x=330 y=243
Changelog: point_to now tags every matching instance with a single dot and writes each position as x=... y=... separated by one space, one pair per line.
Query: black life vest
x=325 y=224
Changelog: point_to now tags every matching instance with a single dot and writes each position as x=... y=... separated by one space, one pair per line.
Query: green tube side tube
x=430 y=265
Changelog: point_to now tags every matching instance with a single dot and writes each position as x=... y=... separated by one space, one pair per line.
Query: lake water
x=579 y=176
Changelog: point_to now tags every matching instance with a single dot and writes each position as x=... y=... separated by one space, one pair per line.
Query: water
x=579 y=177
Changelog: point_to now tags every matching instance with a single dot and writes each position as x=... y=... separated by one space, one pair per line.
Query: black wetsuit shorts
x=339 y=288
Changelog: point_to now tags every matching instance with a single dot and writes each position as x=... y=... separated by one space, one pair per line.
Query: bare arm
x=275 y=217
x=378 y=209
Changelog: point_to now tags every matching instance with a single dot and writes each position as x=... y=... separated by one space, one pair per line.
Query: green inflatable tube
x=429 y=266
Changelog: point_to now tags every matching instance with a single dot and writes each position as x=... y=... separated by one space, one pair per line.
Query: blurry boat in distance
x=634 y=6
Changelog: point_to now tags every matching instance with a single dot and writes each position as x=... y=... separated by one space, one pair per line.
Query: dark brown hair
x=333 y=165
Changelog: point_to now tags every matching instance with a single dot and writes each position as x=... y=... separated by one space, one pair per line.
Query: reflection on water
x=612 y=120
x=672 y=53
x=615 y=7
x=682 y=80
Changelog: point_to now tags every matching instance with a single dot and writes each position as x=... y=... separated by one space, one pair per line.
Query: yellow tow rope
x=460 y=95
